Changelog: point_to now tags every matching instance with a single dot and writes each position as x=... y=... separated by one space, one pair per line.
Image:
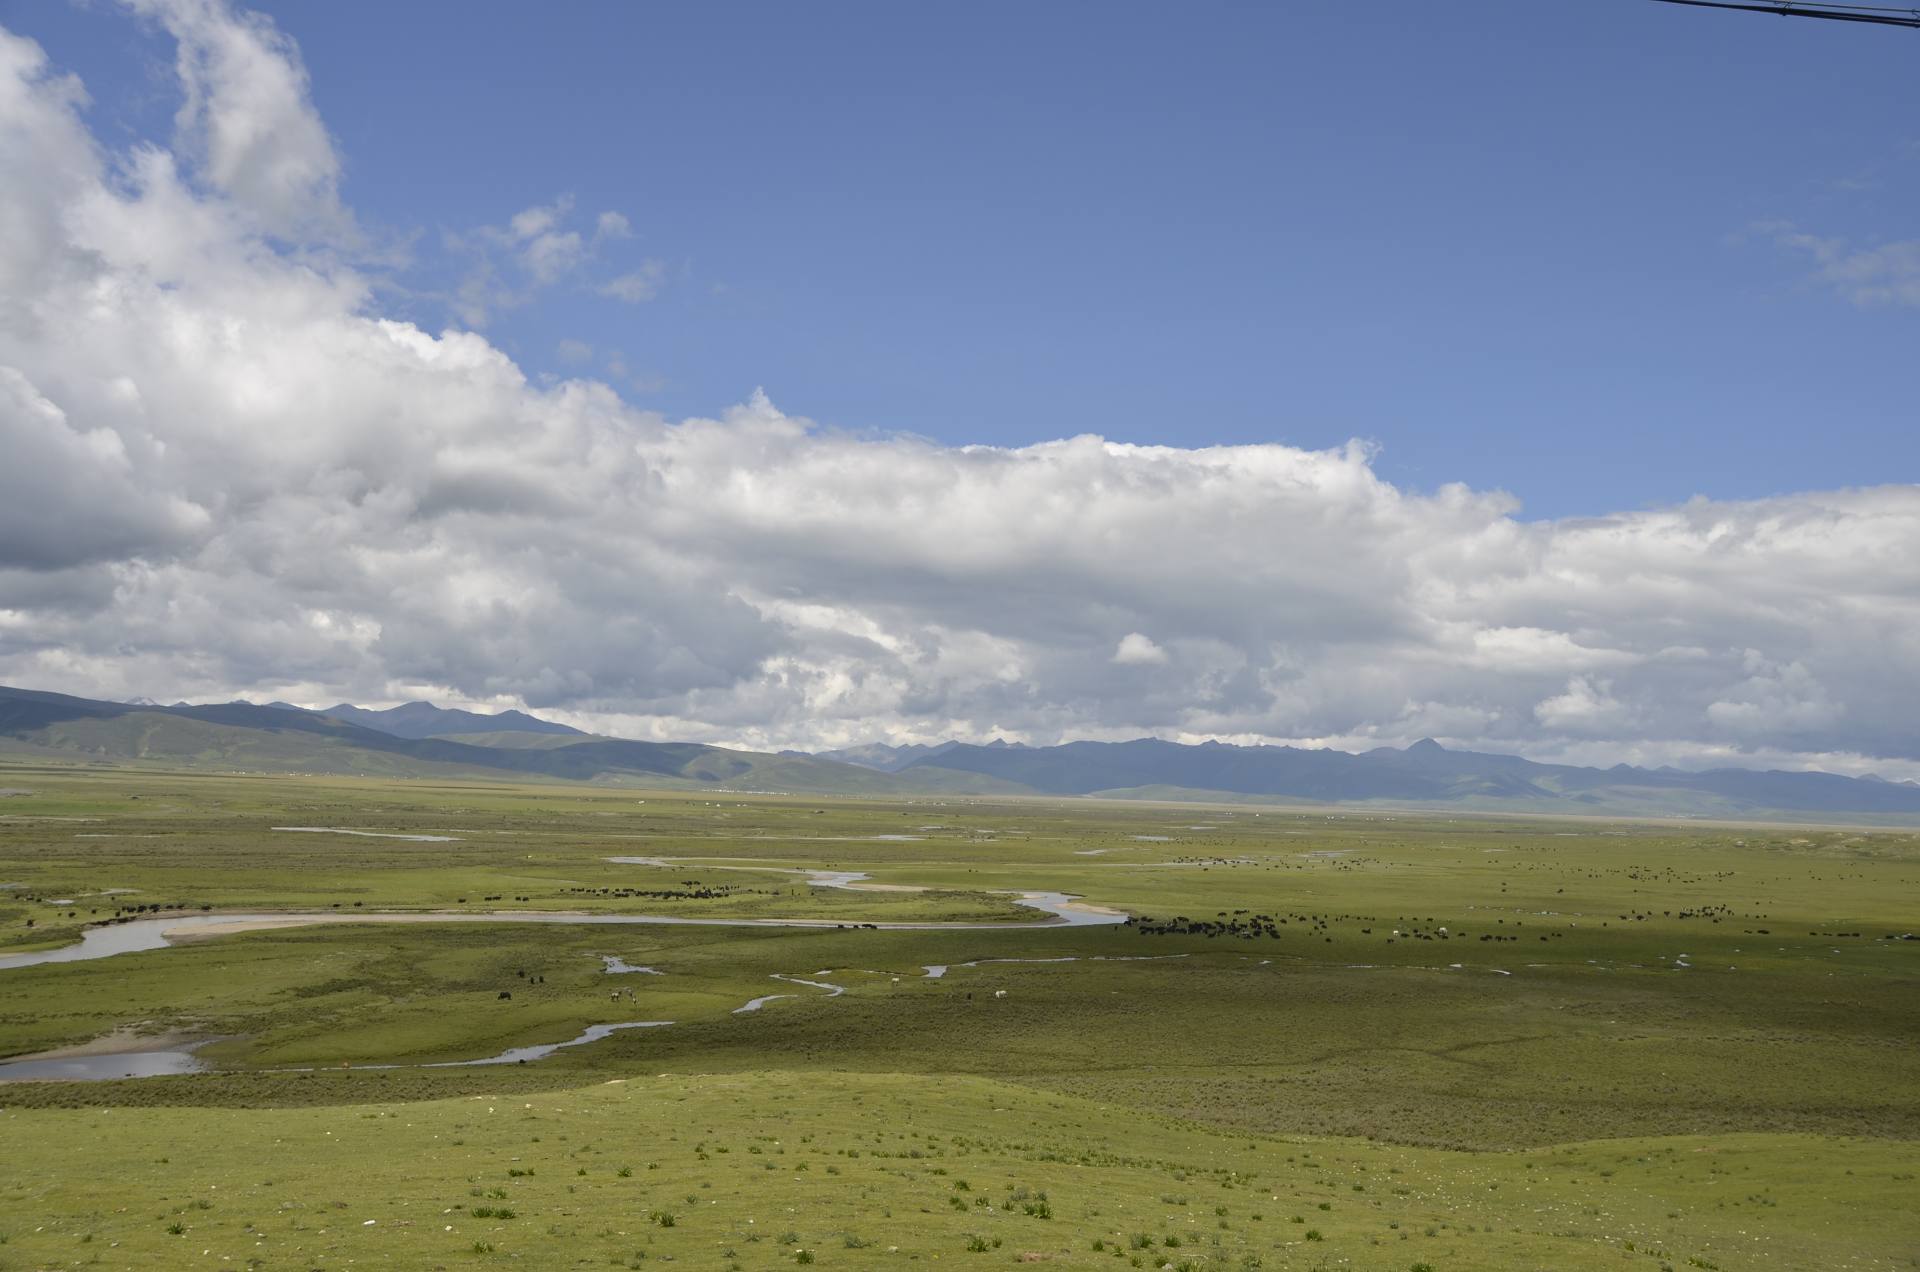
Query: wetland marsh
x=1450 y=1041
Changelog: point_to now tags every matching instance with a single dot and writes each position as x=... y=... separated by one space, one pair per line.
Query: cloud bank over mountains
x=227 y=473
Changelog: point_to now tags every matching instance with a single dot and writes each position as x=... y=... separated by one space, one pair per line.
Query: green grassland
x=766 y=1169
x=1476 y=1042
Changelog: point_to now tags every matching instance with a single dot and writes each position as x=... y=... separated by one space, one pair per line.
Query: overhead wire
x=1876 y=15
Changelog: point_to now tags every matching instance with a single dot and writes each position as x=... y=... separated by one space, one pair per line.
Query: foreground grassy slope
x=767 y=1169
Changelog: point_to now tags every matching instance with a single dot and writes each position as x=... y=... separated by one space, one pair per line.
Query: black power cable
x=1877 y=16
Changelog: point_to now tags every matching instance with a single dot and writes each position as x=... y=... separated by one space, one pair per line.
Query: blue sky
x=370 y=353
x=1522 y=245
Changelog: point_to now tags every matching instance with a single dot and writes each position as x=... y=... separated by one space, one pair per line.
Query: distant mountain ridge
x=883 y=758
x=246 y=737
x=424 y=720
x=1425 y=773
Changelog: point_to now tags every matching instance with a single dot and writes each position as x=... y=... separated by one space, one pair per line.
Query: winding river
x=106 y=940
x=141 y=935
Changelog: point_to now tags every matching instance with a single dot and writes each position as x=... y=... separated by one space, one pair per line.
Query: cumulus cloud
x=232 y=473
x=1136 y=650
x=1587 y=706
x=247 y=120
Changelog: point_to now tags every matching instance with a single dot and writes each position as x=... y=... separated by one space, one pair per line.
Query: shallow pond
x=128 y=1064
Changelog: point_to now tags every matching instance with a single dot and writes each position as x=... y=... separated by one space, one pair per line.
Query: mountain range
x=248 y=737
x=424 y=720
x=1425 y=774
x=419 y=739
x=882 y=757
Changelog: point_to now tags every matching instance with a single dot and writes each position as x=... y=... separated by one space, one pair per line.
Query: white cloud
x=551 y=257
x=638 y=285
x=1135 y=650
x=52 y=468
x=533 y=222
x=537 y=249
x=575 y=352
x=546 y=252
x=1587 y=706
x=231 y=473
x=1774 y=699
x=247 y=120
x=1881 y=274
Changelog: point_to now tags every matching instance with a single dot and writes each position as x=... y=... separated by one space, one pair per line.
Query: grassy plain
x=1679 y=1045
